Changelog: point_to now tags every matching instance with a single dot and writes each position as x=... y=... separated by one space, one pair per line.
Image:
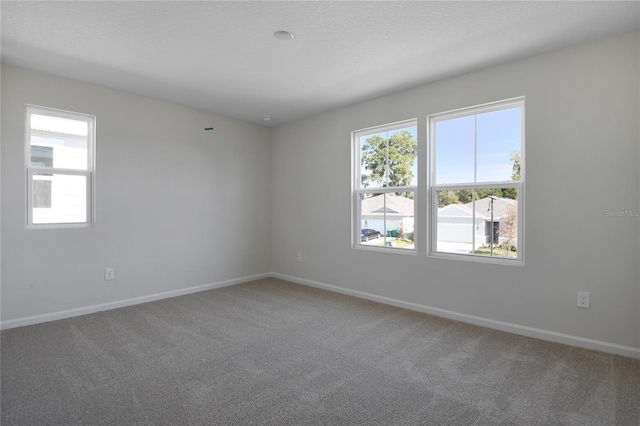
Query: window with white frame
x=476 y=182
x=60 y=167
x=385 y=182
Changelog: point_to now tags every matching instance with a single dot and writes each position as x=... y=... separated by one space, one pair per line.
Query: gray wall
x=176 y=206
x=582 y=158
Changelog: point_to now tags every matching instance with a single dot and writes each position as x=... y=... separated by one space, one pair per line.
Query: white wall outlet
x=299 y=257
x=109 y=274
x=584 y=299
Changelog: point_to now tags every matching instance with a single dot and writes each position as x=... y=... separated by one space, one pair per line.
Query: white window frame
x=433 y=188
x=89 y=173
x=357 y=191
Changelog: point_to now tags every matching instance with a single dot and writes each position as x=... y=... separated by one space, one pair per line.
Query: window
x=385 y=182
x=60 y=166
x=476 y=182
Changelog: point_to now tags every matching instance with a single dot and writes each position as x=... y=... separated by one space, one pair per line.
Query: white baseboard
x=471 y=319
x=537 y=333
x=53 y=316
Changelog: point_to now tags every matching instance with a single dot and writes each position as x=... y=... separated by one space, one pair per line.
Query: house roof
x=501 y=208
x=455 y=210
x=395 y=204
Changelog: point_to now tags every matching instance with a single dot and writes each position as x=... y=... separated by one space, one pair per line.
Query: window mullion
x=388 y=189
x=29 y=197
x=473 y=221
x=475 y=148
x=56 y=171
x=484 y=185
x=386 y=161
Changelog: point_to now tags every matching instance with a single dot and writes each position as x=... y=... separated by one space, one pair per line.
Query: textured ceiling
x=222 y=56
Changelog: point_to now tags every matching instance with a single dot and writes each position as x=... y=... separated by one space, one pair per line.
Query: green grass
x=397 y=243
x=497 y=252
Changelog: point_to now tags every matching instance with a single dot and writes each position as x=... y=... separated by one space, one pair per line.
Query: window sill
x=384 y=249
x=59 y=225
x=476 y=258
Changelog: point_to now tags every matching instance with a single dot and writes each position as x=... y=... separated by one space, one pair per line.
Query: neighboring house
x=455 y=221
x=58 y=197
x=398 y=212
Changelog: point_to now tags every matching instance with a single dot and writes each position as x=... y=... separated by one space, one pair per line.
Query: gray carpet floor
x=271 y=352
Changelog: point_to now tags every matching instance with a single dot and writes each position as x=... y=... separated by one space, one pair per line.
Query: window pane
x=455 y=150
x=455 y=231
x=403 y=151
x=399 y=218
x=387 y=219
x=389 y=158
x=498 y=237
x=65 y=126
x=67 y=198
x=64 y=141
x=372 y=224
x=499 y=135
x=466 y=227
x=373 y=160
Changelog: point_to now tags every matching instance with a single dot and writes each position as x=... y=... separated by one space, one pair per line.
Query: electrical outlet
x=299 y=257
x=109 y=274
x=584 y=299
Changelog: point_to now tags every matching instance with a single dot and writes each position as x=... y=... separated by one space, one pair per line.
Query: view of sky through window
x=496 y=134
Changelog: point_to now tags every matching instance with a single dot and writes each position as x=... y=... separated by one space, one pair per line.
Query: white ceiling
x=221 y=56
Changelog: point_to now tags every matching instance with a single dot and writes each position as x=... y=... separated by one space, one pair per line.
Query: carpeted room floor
x=271 y=352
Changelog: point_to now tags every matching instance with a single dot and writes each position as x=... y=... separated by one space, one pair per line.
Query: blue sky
x=498 y=134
